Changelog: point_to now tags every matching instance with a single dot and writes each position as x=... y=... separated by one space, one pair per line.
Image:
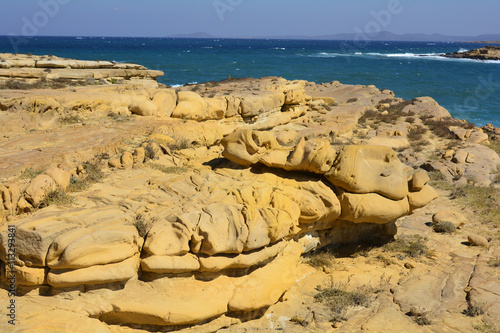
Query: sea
x=468 y=89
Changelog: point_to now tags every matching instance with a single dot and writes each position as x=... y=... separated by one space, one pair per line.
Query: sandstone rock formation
x=18 y=71
x=372 y=184
x=197 y=207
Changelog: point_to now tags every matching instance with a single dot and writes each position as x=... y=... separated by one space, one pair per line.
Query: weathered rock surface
x=456 y=218
x=53 y=69
x=216 y=191
x=366 y=169
x=248 y=147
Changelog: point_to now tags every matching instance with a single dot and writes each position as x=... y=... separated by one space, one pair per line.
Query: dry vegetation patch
x=57 y=197
x=92 y=174
x=168 y=169
x=31 y=173
x=338 y=300
x=413 y=246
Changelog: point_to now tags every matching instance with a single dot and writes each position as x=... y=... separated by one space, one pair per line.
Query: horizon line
x=312 y=38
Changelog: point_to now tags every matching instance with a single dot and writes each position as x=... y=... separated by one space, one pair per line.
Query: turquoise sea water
x=469 y=89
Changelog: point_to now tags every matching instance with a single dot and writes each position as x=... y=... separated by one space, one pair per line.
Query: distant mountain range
x=381 y=36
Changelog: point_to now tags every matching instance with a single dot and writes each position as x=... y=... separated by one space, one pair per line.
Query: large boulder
x=449 y=216
x=217 y=107
x=60 y=176
x=191 y=106
x=256 y=103
x=96 y=245
x=370 y=169
x=372 y=208
x=426 y=106
x=166 y=101
x=142 y=106
x=39 y=187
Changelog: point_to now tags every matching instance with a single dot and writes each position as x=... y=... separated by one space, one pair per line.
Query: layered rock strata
x=19 y=71
x=212 y=193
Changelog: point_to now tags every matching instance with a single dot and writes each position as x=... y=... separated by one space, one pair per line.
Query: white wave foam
x=463 y=50
x=182 y=85
x=329 y=55
x=412 y=55
x=407 y=55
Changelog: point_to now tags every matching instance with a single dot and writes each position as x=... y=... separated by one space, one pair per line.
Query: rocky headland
x=484 y=53
x=240 y=205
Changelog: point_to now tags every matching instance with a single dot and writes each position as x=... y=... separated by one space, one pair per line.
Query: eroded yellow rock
x=372 y=208
x=370 y=169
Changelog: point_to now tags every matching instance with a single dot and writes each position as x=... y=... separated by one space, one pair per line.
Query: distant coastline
x=484 y=53
x=485 y=42
x=381 y=36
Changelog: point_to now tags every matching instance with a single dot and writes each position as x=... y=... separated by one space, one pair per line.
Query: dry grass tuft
x=338 y=300
x=485 y=328
x=392 y=116
x=473 y=311
x=142 y=225
x=169 y=170
x=57 y=197
x=484 y=201
x=30 y=173
x=320 y=259
x=422 y=320
x=93 y=174
x=445 y=227
x=413 y=246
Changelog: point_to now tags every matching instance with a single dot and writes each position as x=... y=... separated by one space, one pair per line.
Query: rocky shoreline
x=241 y=205
x=484 y=53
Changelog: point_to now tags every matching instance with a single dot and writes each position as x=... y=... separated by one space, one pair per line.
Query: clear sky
x=240 y=18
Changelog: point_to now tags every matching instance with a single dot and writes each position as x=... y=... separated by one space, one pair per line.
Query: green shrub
x=445 y=227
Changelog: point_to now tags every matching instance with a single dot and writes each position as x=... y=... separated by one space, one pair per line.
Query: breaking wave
x=407 y=55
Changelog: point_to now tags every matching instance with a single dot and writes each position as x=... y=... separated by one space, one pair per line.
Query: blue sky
x=240 y=18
